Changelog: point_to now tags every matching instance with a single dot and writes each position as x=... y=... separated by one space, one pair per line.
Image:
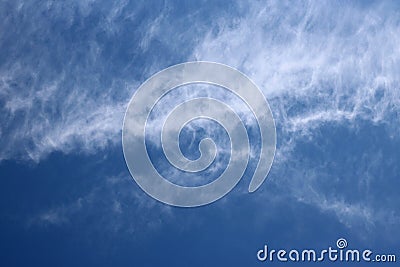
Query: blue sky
x=330 y=71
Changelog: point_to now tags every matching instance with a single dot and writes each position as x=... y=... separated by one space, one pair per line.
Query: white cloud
x=340 y=65
x=56 y=89
x=317 y=63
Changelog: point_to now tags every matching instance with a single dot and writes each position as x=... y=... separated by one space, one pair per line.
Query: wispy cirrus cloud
x=324 y=66
x=54 y=94
x=124 y=210
x=314 y=64
x=68 y=70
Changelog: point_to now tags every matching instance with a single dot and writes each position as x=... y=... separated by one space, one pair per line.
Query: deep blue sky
x=330 y=72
